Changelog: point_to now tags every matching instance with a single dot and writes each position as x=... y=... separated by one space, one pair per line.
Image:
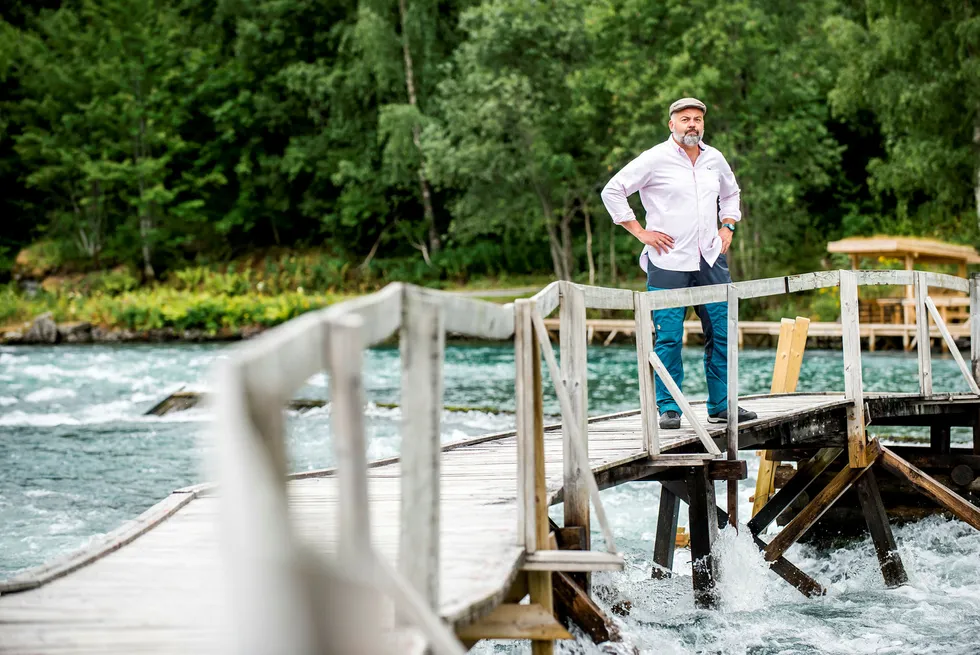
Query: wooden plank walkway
x=161 y=592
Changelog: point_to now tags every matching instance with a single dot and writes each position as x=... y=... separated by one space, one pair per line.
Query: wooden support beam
x=648 y=396
x=574 y=374
x=785 y=377
x=793 y=574
x=422 y=343
x=732 y=470
x=732 y=427
x=664 y=544
x=805 y=475
x=857 y=440
x=510 y=621
x=703 y=520
x=539 y=583
x=939 y=438
x=923 y=345
x=780 y=566
x=675 y=392
x=944 y=497
x=572 y=560
x=881 y=532
x=813 y=511
x=574 y=604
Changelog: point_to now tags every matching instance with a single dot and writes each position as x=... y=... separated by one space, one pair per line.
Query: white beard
x=688 y=139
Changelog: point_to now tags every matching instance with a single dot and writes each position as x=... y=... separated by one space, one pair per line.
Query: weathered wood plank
x=546 y=301
x=922 y=334
x=805 y=475
x=605 y=298
x=703 y=521
x=732 y=427
x=664 y=542
x=951 y=344
x=572 y=560
x=945 y=497
x=857 y=441
x=511 y=621
x=350 y=449
x=681 y=400
x=810 y=514
x=473 y=318
x=574 y=372
x=573 y=604
x=422 y=343
x=881 y=532
x=644 y=348
x=810 y=281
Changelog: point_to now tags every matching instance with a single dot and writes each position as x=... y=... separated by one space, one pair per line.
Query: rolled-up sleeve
x=634 y=176
x=729 y=194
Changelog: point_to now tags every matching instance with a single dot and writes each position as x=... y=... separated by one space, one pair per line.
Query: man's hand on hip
x=659 y=241
x=726 y=239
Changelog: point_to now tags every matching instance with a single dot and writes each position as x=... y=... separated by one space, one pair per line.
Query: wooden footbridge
x=449 y=544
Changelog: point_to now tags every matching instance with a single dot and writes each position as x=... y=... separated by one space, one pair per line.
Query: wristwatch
x=730 y=226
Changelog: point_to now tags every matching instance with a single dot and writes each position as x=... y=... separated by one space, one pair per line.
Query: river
x=77 y=458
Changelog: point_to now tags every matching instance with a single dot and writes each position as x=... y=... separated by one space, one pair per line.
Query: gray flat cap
x=687 y=103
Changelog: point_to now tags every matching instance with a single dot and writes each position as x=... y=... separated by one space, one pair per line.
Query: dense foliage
x=441 y=139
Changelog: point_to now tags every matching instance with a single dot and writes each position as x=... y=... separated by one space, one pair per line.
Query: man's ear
x=670 y=125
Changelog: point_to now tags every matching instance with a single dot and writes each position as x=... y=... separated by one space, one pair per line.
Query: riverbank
x=163 y=313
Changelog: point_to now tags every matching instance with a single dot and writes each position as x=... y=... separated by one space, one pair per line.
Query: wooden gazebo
x=913 y=252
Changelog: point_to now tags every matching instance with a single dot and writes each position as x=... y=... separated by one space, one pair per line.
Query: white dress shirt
x=681 y=199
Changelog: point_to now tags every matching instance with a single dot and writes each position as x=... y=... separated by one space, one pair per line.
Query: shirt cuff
x=624 y=218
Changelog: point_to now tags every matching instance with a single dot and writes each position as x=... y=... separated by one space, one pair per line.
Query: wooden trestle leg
x=780 y=566
x=704 y=529
x=665 y=544
x=881 y=532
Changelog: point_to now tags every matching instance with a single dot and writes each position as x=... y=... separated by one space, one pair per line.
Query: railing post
x=347 y=424
x=853 y=384
x=525 y=352
x=975 y=350
x=268 y=594
x=732 y=400
x=648 y=395
x=975 y=325
x=574 y=375
x=923 y=347
x=422 y=344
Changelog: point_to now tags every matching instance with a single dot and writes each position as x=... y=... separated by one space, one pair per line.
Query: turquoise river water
x=77 y=458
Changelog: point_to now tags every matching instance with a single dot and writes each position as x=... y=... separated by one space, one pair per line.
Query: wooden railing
x=282 y=587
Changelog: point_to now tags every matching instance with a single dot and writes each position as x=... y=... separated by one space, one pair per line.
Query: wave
x=49 y=393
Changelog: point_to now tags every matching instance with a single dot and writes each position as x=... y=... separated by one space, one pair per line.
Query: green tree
x=914 y=65
x=763 y=68
x=514 y=135
x=104 y=85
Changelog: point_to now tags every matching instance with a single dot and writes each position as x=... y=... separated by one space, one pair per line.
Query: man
x=684 y=185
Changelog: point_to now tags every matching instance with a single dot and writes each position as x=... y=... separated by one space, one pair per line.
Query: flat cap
x=687 y=103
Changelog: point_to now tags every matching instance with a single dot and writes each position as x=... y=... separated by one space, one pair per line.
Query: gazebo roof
x=924 y=250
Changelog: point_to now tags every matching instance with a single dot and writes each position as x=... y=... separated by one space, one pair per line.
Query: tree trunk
x=588 y=242
x=424 y=187
x=146 y=220
x=566 y=242
x=612 y=253
x=554 y=244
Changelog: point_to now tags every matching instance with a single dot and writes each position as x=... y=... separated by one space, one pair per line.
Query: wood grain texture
x=926 y=484
x=951 y=345
x=922 y=334
x=574 y=377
